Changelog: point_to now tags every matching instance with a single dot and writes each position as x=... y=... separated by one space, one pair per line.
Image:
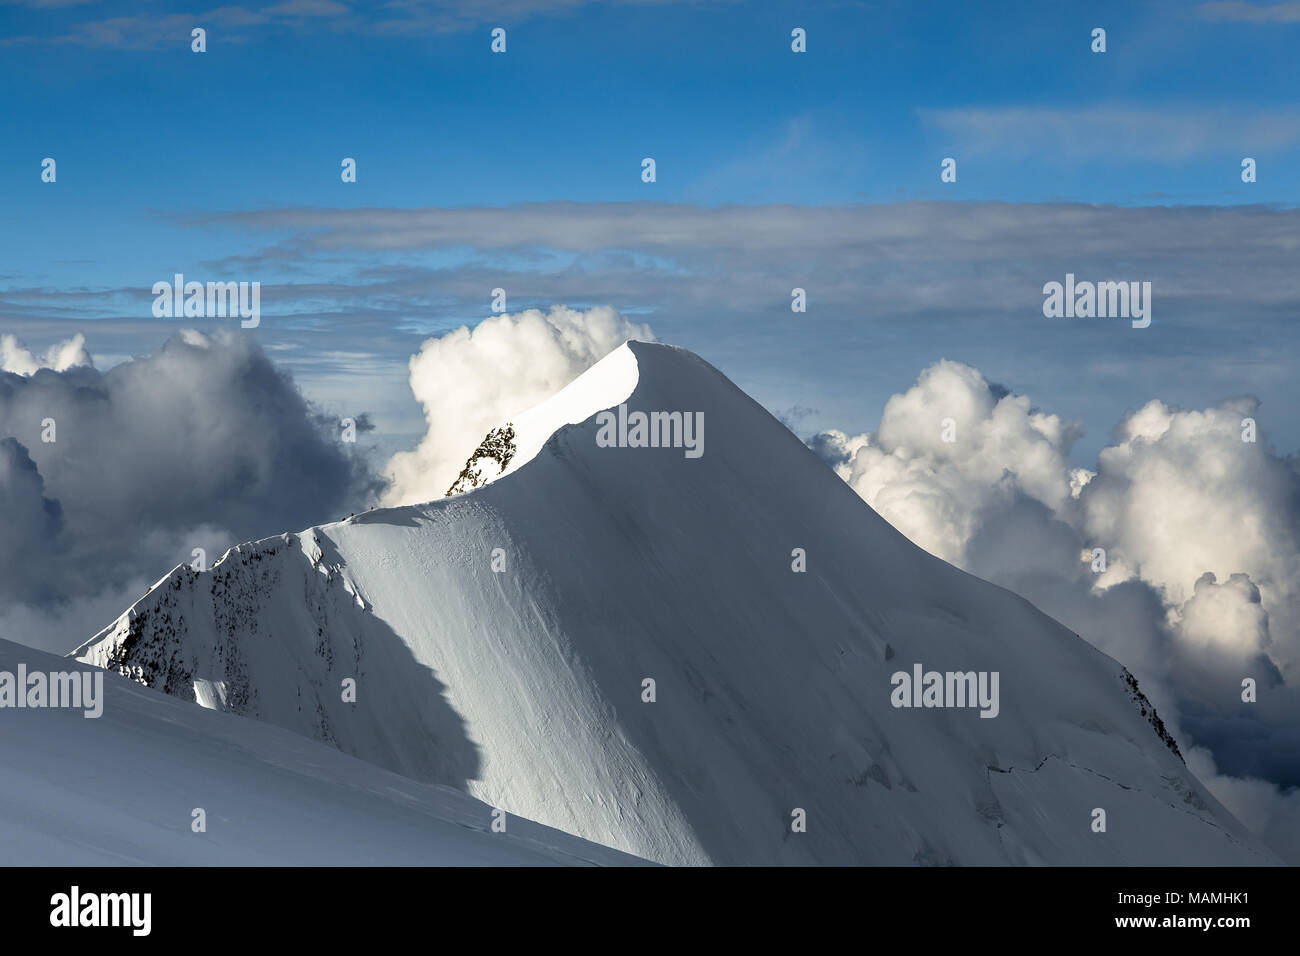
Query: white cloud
x=1180 y=494
x=1228 y=616
x=16 y=358
x=1177 y=496
x=934 y=490
x=470 y=381
x=1201 y=532
x=203 y=443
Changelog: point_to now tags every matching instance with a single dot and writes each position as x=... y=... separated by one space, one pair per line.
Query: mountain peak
x=675 y=654
x=508 y=447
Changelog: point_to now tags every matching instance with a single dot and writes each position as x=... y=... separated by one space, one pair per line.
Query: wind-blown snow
x=607 y=383
x=523 y=686
x=121 y=789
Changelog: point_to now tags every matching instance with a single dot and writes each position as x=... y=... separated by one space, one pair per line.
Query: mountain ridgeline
x=691 y=659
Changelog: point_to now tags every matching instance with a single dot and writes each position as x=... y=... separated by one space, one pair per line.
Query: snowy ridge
x=121 y=790
x=523 y=685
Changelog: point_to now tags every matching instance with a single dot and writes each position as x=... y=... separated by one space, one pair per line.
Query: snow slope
x=523 y=686
x=120 y=789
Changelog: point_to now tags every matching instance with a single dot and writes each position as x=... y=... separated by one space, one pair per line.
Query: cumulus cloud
x=470 y=381
x=1227 y=616
x=948 y=449
x=16 y=358
x=110 y=477
x=1180 y=494
x=1179 y=555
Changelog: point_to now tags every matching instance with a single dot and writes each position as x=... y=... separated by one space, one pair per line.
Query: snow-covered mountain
x=122 y=788
x=501 y=640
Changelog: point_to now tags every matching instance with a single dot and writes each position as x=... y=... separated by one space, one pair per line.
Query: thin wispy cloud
x=1242 y=12
x=47 y=4
x=1113 y=133
x=897 y=230
x=245 y=24
x=907 y=257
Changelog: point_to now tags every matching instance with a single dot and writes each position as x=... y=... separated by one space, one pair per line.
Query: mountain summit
x=724 y=657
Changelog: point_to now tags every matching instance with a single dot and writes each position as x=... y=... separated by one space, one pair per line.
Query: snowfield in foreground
x=500 y=640
x=121 y=789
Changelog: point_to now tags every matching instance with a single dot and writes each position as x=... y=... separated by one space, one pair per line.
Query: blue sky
x=712 y=90
x=160 y=152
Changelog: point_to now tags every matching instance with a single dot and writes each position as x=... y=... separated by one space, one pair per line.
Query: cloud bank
x=1179 y=555
x=110 y=478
